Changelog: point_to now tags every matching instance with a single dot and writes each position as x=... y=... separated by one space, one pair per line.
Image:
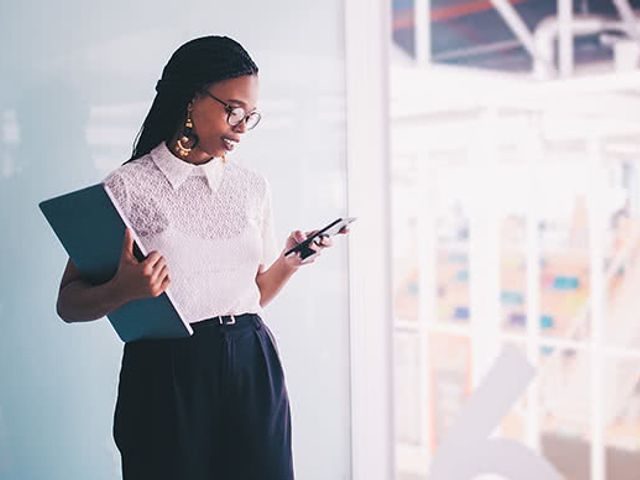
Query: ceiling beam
x=628 y=17
x=516 y=24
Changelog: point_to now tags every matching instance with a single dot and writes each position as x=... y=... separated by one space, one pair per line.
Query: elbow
x=62 y=316
x=62 y=313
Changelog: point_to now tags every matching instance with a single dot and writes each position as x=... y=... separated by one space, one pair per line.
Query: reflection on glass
x=564 y=249
x=622 y=256
x=405 y=243
x=514 y=423
x=407 y=389
x=564 y=377
x=622 y=417
x=449 y=381
x=452 y=237
x=513 y=273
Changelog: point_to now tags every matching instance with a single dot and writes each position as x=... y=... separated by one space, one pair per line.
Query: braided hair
x=192 y=67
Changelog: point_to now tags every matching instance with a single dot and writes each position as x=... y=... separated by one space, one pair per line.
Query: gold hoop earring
x=182 y=147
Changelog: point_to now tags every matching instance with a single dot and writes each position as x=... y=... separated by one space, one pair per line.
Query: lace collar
x=177 y=171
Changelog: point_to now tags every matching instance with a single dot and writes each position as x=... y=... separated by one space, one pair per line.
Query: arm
x=271 y=281
x=79 y=301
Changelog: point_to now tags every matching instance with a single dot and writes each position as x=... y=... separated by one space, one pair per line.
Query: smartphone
x=330 y=230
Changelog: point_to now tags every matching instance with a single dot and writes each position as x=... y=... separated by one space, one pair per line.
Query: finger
x=160 y=274
x=294 y=237
x=152 y=258
x=149 y=266
x=163 y=280
x=157 y=291
x=127 y=243
x=326 y=242
x=159 y=264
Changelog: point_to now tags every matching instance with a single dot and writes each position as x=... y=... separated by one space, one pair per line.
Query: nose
x=241 y=127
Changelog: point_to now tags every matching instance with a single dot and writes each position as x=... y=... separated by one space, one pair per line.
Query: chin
x=214 y=152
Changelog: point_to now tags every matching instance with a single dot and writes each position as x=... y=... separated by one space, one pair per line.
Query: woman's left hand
x=317 y=245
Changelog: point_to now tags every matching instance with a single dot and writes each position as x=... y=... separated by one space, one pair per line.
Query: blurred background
x=511 y=184
x=515 y=130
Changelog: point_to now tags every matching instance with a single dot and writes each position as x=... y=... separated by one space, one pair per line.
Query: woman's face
x=209 y=117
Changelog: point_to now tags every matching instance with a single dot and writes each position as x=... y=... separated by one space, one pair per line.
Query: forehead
x=242 y=90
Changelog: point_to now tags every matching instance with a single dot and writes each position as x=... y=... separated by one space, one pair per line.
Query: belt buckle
x=230 y=322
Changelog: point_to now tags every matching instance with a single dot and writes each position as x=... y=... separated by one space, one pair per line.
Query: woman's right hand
x=140 y=279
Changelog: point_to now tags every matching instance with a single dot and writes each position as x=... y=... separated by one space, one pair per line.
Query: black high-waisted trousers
x=213 y=406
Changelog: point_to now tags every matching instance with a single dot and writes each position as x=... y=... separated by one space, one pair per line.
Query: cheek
x=209 y=125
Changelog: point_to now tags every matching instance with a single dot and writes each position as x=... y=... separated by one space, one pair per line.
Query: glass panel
x=513 y=242
x=514 y=424
x=405 y=242
x=452 y=230
x=622 y=418
x=449 y=381
x=513 y=274
x=622 y=252
x=569 y=132
x=565 y=404
x=564 y=268
x=80 y=80
x=409 y=404
x=403 y=22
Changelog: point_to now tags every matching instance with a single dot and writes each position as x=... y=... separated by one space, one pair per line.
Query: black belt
x=227 y=320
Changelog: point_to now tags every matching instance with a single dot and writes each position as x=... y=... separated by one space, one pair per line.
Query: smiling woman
x=217 y=125
x=213 y=405
x=199 y=83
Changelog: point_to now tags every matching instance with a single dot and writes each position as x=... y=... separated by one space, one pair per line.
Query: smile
x=229 y=144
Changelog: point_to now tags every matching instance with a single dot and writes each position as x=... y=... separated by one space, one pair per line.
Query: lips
x=230 y=143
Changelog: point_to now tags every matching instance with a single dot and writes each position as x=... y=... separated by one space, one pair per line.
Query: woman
x=214 y=405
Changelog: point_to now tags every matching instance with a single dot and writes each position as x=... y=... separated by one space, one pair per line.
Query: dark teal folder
x=90 y=226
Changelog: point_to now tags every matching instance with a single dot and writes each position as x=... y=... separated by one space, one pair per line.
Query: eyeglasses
x=236 y=115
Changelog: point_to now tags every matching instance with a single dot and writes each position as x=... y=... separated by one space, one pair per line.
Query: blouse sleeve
x=269 y=249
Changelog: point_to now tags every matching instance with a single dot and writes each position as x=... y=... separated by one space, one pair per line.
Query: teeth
x=230 y=142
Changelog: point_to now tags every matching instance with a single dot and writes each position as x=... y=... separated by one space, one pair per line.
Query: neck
x=196 y=156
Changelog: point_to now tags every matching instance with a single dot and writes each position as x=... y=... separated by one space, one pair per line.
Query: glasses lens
x=252 y=120
x=236 y=116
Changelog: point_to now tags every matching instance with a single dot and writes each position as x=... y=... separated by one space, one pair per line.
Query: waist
x=229 y=322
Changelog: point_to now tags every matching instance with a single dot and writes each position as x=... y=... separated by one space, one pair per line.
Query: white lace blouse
x=212 y=223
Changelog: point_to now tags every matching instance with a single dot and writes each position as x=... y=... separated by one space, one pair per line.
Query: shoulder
x=129 y=172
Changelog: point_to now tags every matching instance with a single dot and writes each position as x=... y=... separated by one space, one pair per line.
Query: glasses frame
x=230 y=108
